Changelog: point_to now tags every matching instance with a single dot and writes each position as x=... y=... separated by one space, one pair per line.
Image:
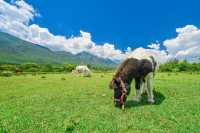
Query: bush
x=43 y=77
x=179 y=66
x=6 y=73
x=63 y=78
x=7 y=67
x=58 y=69
x=30 y=67
x=47 y=68
x=69 y=67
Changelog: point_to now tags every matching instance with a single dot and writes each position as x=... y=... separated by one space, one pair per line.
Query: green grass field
x=85 y=105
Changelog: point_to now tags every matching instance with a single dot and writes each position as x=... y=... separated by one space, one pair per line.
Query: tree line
x=179 y=66
x=34 y=68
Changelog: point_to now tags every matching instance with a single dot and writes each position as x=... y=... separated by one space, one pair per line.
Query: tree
x=30 y=67
x=69 y=67
x=7 y=67
x=47 y=68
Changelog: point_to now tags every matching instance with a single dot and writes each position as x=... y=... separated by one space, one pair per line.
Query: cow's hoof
x=136 y=99
x=151 y=101
x=123 y=107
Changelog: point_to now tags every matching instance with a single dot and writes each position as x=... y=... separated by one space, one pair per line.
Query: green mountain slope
x=14 y=50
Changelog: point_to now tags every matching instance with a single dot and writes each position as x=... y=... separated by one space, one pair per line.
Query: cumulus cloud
x=154 y=46
x=187 y=43
x=160 y=55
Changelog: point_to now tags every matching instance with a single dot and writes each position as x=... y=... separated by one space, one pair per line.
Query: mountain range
x=16 y=51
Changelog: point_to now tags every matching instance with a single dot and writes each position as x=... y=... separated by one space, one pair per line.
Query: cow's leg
x=144 y=89
x=149 y=80
x=138 y=87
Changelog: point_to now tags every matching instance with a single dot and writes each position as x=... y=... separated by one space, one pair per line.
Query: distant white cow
x=82 y=70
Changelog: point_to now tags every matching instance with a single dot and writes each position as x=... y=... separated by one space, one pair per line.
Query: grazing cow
x=82 y=70
x=142 y=70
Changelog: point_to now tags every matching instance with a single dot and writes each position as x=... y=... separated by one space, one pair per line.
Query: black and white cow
x=140 y=69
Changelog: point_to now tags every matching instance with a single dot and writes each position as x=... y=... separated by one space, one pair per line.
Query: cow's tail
x=154 y=64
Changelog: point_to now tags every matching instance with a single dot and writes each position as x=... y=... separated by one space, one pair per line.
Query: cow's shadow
x=159 y=98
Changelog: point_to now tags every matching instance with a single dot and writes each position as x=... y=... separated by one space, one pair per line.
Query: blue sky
x=111 y=29
x=125 y=23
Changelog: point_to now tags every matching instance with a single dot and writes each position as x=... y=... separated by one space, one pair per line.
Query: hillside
x=15 y=51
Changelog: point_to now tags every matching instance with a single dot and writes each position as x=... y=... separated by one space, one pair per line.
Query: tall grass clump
x=6 y=73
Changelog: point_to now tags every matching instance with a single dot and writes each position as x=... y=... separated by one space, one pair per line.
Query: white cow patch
x=146 y=86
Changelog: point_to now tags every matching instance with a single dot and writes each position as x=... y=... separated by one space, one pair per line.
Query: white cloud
x=154 y=46
x=108 y=51
x=19 y=11
x=141 y=53
x=187 y=43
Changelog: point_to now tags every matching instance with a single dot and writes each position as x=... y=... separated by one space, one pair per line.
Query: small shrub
x=69 y=67
x=47 y=68
x=63 y=78
x=43 y=73
x=71 y=124
x=169 y=74
x=58 y=68
x=30 y=67
x=43 y=77
x=6 y=73
x=7 y=67
x=102 y=76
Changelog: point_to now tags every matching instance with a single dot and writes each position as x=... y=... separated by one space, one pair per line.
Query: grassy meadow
x=68 y=103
